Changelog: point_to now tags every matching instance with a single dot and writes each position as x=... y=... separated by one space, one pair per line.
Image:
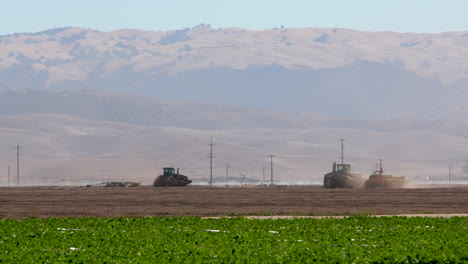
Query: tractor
x=379 y=180
x=341 y=177
x=171 y=178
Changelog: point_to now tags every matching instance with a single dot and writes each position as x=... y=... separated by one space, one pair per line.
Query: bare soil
x=26 y=202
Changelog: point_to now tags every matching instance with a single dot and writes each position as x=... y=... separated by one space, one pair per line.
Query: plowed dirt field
x=25 y=202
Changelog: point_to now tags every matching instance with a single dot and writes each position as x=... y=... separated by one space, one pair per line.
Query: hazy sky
x=105 y=15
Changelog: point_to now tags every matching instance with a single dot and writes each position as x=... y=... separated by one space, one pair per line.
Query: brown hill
x=77 y=53
x=294 y=70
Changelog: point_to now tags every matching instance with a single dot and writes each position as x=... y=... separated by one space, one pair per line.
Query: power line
x=284 y=156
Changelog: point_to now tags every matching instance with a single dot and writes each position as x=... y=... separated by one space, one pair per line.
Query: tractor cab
x=342 y=168
x=169 y=171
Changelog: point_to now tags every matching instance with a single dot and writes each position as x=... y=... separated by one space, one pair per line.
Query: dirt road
x=27 y=202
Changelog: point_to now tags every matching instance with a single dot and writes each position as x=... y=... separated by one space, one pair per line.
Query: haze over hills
x=87 y=137
x=89 y=106
x=58 y=149
x=150 y=112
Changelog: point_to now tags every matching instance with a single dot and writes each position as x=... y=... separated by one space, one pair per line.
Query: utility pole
x=227 y=170
x=450 y=173
x=271 y=168
x=211 y=162
x=381 y=168
x=263 y=179
x=342 y=151
x=8 y=175
x=17 y=163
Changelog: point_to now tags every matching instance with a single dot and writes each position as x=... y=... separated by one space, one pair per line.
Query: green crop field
x=234 y=240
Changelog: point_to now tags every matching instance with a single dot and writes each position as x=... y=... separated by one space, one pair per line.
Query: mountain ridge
x=284 y=67
x=308 y=47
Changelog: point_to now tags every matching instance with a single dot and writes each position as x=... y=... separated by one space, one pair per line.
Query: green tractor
x=171 y=178
x=341 y=177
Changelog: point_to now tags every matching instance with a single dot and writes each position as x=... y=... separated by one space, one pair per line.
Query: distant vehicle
x=170 y=178
x=379 y=180
x=115 y=184
x=341 y=177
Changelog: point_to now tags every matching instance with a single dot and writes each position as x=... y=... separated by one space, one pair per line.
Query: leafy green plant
x=359 y=239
